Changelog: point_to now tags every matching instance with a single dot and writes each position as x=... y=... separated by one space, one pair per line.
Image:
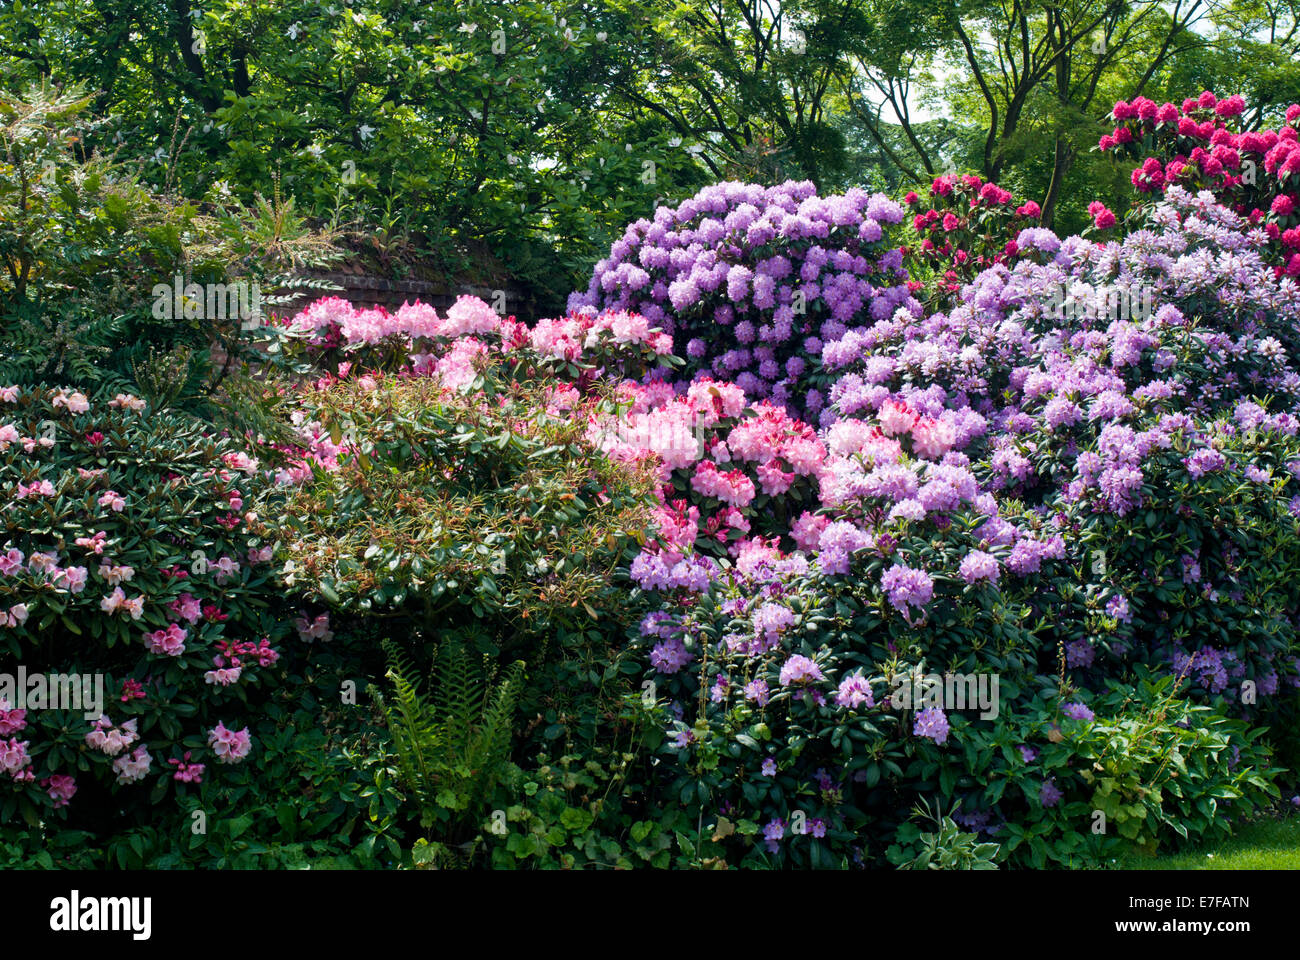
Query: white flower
x=293 y=31
x=602 y=36
x=675 y=142
x=365 y=131
x=467 y=28
x=316 y=150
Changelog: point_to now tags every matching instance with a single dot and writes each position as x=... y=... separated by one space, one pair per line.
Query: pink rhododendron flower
x=134 y=766
x=104 y=736
x=317 y=629
x=895 y=418
x=126 y=401
x=74 y=401
x=61 y=788
x=168 y=641
x=113 y=500
x=229 y=746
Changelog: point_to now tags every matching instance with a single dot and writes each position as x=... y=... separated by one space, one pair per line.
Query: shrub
x=750 y=281
x=459 y=507
x=1256 y=173
x=1010 y=490
x=962 y=226
x=135 y=555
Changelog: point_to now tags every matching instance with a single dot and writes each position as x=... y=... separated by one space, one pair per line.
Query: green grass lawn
x=1266 y=845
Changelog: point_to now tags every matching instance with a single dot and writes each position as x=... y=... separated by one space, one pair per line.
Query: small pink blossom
x=133 y=766
x=113 y=500
x=60 y=788
x=169 y=641
x=229 y=746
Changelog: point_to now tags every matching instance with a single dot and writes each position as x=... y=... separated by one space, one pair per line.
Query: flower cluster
x=1256 y=173
x=751 y=281
x=961 y=226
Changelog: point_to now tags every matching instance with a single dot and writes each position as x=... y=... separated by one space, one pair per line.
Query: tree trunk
x=1061 y=163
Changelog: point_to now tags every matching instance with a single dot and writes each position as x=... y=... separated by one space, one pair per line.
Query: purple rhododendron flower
x=933 y=723
x=1077 y=711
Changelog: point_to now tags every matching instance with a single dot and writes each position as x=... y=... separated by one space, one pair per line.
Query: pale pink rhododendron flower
x=134 y=766
x=41 y=561
x=11 y=562
x=117 y=600
x=94 y=544
x=115 y=574
x=317 y=629
x=72 y=579
x=126 y=401
x=15 y=616
x=113 y=500
x=13 y=756
x=932 y=438
x=74 y=401
x=104 y=736
x=895 y=417
x=225 y=568
x=223 y=676
x=41 y=488
x=230 y=746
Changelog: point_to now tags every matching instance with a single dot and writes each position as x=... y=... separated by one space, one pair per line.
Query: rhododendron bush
x=1007 y=488
x=961 y=226
x=134 y=555
x=1198 y=145
x=461 y=504
x=750 y=281
x=750 y=513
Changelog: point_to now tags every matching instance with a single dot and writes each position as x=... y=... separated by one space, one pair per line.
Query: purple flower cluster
x=933 y=723
x=753 y=280
x=907 y=587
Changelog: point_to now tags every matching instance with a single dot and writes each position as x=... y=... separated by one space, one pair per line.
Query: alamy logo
x=1107 y=302
x=76 y=914
x=53 y=691
x=237 y=300
x=952 y=691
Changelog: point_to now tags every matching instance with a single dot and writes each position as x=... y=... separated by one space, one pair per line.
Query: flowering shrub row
x=1001 y=490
